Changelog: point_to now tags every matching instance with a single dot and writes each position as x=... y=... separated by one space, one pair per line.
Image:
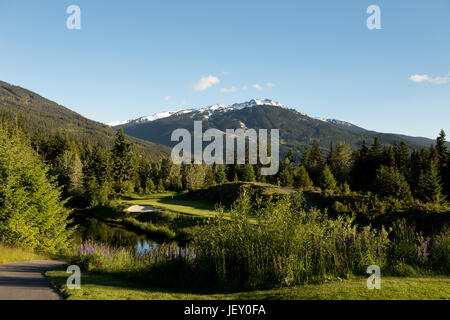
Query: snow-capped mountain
x=206 y=111
x=297 y=130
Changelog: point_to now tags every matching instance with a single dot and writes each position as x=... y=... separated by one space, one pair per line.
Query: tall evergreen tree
x=248 y=173
x=391 y=182
x=443 y=162
x=31 y=212
x=315 y=163
x=122 y=158
x=302 y=180
x=220 y=175
x=433 y=186
x=327 y=181
x=342 y=163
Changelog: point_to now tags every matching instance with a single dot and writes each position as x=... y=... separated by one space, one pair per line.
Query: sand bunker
x=141 y=209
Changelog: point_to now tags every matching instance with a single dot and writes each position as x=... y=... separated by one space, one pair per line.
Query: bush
x=287 y=245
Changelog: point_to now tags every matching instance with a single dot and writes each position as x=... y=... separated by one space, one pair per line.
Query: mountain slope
x=40 y=114
x=297 y=130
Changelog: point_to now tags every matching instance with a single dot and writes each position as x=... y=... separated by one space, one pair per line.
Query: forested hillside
x=297 y=130
x=45 y=117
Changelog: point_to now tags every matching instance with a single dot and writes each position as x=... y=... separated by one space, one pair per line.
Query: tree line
x=91 y=175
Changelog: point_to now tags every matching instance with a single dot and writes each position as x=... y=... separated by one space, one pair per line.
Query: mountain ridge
x=301 y=129
x=47 y=117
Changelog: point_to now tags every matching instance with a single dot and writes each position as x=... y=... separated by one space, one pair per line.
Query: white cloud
x=270 y=85
x=90 y=115
x=228 y=90
x=205 y=83
x=167 y=98
x=257 y=87
x=224 y=73
x=426 y=78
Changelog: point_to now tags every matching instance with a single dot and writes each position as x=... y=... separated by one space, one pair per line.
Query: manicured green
x=97 y=286
x=171 y=201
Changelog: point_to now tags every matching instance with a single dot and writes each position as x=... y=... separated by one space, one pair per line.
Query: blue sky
x=315 y=56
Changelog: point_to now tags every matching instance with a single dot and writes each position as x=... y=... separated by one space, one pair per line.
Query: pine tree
x=315 y=159
x=433 y=186
x=443 y=160
x=302 y=180
x=391 y=182
x=248 y=173
x=342 y=163
x=150 y=186
x=122 y=162
x=160 y=187
x=31 y=213
x=286 y=177
x=402 y=158
x=331 y=156
x=68 y=170
x=221 y=176
x=210 y=179
x=315 y=163
x=327 y=181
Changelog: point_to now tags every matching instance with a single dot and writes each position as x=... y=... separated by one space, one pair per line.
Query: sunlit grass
x=17 y=254
x=99 y=286
x=171 y=201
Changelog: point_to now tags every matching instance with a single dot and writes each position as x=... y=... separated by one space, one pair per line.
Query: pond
x=114 y=236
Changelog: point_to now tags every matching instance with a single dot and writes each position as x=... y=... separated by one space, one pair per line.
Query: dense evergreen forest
x=85 y=175
x=90 y=175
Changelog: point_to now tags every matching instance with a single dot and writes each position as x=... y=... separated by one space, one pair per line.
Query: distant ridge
x=297 y=129
x=48 y=117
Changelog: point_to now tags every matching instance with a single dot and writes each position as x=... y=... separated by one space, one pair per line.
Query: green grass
x=98 y=286
x=17 y=254
x=171 y=201
x=174 y=202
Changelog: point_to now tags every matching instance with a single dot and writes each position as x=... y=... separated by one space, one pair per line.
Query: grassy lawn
x=171 y=201
x=96 y=286
x=16 y=254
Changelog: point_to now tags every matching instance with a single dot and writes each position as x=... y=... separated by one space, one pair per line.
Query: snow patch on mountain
x=335 y=122
x=206 y=111
x=117 y=123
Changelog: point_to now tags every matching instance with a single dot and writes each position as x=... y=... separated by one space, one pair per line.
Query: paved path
x=27 y=281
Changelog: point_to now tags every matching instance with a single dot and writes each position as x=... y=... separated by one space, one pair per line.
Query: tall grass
x=292 y=244
x=10 y=253
x=285 y=243
x=289 y=244
x=410 y=252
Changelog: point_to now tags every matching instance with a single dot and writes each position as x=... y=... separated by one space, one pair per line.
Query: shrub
x=287 y=245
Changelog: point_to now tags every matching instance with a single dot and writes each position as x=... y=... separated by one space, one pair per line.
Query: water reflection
x=114 y=236
x=143 y=245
